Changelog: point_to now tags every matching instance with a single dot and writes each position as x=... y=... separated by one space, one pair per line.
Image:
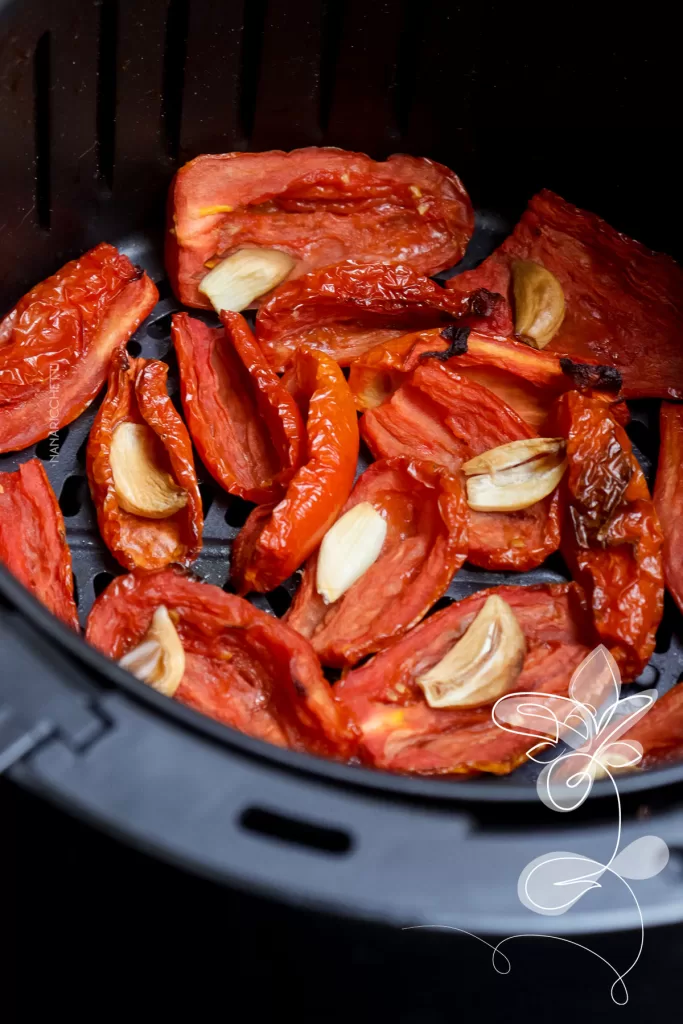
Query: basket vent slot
x=41 y=122
x=73 y=495
x=101 y=582
x=175 y=55
x=106 y=91
x=252 y=50
x=295 y=831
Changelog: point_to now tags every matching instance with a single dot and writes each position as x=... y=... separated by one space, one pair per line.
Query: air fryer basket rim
x=96 y=132
x=478 y=789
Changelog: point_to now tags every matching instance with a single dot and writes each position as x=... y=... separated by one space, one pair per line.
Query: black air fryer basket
x=99 y=103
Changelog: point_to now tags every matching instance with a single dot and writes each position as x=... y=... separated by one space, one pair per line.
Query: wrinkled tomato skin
x=426 y=543
x=33 y=539
x=245 y=425
x=320 y=205
x=137 y=393
x=277 y=539
x=243 y=667
x=401 y=733
x=526 y=379
x=439 y=416
x=624 y=303
x=660 y=731
x=611 y=537
x=55 y=345
x=349 y=308
x=668 y=496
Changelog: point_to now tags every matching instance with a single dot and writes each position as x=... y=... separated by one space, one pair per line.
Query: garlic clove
x=516 y=475
x=238 y=280
x=482 y=665
x=539 y=303
x=142 y=486
x=159 y=660
x=348 y=550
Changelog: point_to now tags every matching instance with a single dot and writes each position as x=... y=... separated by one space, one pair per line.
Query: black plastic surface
x=99 y=102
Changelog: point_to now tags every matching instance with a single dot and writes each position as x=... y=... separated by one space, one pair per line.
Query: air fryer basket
x=99 y=103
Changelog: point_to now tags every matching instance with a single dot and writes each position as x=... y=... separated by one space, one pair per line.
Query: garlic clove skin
x=142 y=487
x=159 y=660
x=515 y=476
x=482 y=665
x=348 y=550
x=539 y=303
x=240 y=279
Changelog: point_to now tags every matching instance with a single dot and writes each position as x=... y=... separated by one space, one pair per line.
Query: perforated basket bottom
x=94 y=567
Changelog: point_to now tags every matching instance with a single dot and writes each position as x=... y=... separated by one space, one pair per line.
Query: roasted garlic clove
x=159 y=660
x=482 y=665
x=348 y=550
x=539 y=303
x=243 y=277
x=515 y=475
x=142 y=486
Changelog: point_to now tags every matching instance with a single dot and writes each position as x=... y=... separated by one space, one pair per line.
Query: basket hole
x=206 y=493
x=49 y=448
x=279 y=600
x=438 y=606
x=666 y=626
x=76 y=591
x=164 y=288
x=101 y=582
x=134 y=348
x=161 y=328
x=72 y=495
x=238 y=513
x=649 y=676
x=295 y=831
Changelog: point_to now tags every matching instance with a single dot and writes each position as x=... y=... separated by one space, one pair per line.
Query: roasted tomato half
x=55 y=345
x=611 y=537
x=141 y=469
x=33 y=540
x=245 y=424
x=401 y=732
x=320 y=206
x=277 y=539
x=220 y=655
x=439 y=416
x=411 y=520
x=623 y=303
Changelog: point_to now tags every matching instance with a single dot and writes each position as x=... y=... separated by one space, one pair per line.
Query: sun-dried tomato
x=33 y=539
x=526 y=379
x=401 y=732
x=611 y=537
x=242 y=667
x=137 y=394
x=55 y=345
x=320 y=205
x=277 y=539
x=246 y=426
x=439 y=416
x=624 y=303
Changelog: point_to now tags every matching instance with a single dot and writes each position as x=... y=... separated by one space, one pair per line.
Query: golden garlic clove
x=516 y=475
x=539 y=303
x=238 y=280
x=159 y=660
x=348 y=550
x=142 y=486
x=482 y=665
